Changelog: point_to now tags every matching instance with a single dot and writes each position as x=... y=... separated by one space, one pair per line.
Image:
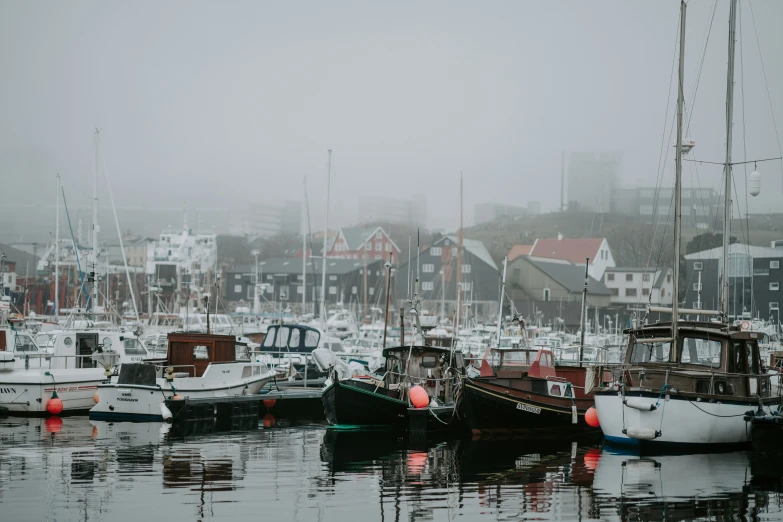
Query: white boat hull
x=673 y=421
x=28 y=391
x=142 y=403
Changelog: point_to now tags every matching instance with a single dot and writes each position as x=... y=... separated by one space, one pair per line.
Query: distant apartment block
x=699 y=205
x=380 y=209
x=262 y=221
x=486 y=212
x=591 y=180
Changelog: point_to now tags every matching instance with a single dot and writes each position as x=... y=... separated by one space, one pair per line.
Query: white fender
x=640 y=405
x=165 y=412
x=642 y=433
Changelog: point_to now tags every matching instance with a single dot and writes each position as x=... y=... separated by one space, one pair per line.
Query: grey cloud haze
x=217 y=104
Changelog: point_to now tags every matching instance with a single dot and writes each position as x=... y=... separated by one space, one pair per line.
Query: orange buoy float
x=591 y=417
x=419 y=397
x=591 y=458
x=270 y=403
x=96 y=398
x=55 y=404
x=177 y=398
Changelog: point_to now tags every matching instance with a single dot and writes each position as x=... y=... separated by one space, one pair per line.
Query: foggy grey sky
x=218 y=104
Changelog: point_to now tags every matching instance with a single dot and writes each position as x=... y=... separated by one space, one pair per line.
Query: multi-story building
x=591 y=180
x=281 y=283
x=755 y=281
x=480 y=280
x=486 y=212
x=360 y=242
x=267 y=220
x=381 y=209
x=635 y=288
x=700 y=206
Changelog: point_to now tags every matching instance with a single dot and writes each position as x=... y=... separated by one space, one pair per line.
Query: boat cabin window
x=545 y=359
x=650 y=352
x=742 y=357
x=269 y=339
x=201 y=353
x=295 y=338
x=518 y=357
x=241 y=352
x=282 y=337
x=429 y=361
x=704 y=352
x=24 y=343
x=311 y=339
x=132 y=347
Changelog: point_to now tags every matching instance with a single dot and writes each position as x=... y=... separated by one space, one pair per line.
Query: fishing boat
x=385 y=398
x=197 y=365
x=521 y=392
x=69 y=369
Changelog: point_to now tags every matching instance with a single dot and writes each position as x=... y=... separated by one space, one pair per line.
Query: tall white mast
x=678 y=186
x=727 y=168
x=56 y=299
x=304 y=252
x=326 y=232
x=94 y=300
x=502 y=294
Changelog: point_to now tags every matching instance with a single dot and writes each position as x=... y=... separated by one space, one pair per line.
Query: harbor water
x=76 y=469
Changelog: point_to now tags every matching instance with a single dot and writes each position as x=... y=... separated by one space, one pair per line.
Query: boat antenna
x=583 y=314
x=502 y=294
x=388 y=267
x=326 y=233
x=57 y=252
x=409 y=267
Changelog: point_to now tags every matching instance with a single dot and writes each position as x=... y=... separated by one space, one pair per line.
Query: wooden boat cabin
x=190 y=353
x=427 y=366
x=533 y=370
x=710 y=359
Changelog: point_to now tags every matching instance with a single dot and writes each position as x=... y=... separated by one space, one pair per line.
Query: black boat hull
x=490 y=410
x=348 y=403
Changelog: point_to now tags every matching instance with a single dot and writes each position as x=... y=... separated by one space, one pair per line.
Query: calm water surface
x=75 y=469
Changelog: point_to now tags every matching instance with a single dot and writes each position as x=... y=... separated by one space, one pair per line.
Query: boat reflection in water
x=677 y=487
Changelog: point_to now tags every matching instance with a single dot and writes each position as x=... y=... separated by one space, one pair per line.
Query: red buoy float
x=270 y=403
x=55 y=404
x=591 y=417
x=419 y=397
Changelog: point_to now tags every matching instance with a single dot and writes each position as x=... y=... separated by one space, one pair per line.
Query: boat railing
x=44 y=360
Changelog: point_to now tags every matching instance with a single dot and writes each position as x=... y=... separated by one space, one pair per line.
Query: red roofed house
x=574 y=250
x=356 y=242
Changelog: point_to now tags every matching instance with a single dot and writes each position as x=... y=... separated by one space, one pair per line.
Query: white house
x=636 y=287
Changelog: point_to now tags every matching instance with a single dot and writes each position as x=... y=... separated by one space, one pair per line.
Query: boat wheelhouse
x=696 y=393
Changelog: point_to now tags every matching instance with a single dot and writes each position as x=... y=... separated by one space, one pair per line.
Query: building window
x=696 y=305
x=668 y=278
x=774 y=264
x=371 y=291
x=629 y=277
x=378 y=247
x=646 y=210
x=610 y=277
x=697 y=287
x=465 y=269
x=435 y=251
x=774 y=286
x=368 y=246
x=237 y=289
x=388 y=247
x=774 y=305
x=454 y=251
x=250 y=292
x=547 y=294
x=354 y=290
x=237 y=276
x=332 y=278
x=377 y=257
x=698 y=265
x=630 y=292
x=427 y=268
x=615 y=291
x=378 y=235
x=465 y=286
x=332 y=290
x=645 y=291
x=427 y=286
x=646 y=278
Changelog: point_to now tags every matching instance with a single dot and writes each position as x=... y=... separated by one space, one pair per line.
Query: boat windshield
x=24 y=343
x=655 y=351
x=704 y=352
x=133 y=347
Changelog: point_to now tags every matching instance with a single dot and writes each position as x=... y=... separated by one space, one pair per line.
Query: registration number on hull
x=529 y=409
